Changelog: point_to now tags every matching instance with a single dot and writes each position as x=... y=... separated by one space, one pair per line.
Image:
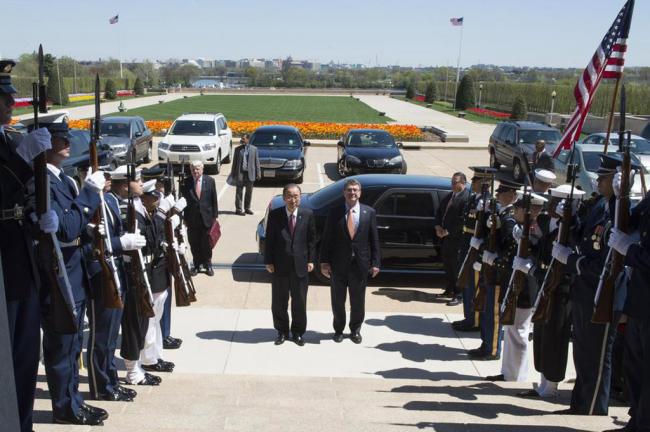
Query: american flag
x=456 y=21
x=114 y=20
x=607 y=62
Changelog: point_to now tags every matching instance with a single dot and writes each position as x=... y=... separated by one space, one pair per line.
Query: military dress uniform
x=470 y=317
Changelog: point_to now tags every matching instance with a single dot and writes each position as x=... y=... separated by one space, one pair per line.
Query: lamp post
x=480 y=90
x=553 y=94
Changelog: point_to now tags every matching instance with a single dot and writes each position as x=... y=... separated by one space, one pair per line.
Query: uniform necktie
x=351 y=229
x=197 y=188
x=292 y=224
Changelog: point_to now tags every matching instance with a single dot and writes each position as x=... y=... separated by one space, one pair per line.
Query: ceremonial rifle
x=181 y=239
x=615 y=262
x=62 y=312
x=111 y=289
x=556 y=269
x=489 y=272
x=137 y=269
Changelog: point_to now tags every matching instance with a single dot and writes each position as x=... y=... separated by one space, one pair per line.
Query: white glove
x=132 y=241
x=489 y=223
x=175 y=221
x=523 y=265
x=489 y=257
x=182 y=248
x=180 y=204
x=620 y=241
x=561 y=253
x=560 y=207
x=475 y=242
x=34 y=143
x=96 y=181
x=90 y=229
x=517 y=232
x=618 y=177
x=480 y=205
x=49 y=222
x=477 y=266
x=165 y=205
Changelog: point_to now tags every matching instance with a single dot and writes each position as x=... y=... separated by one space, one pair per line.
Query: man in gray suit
x=245 y=170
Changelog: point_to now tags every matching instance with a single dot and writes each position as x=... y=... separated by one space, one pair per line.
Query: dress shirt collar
x=355 y=209
x=54 y=170
x=294 y=213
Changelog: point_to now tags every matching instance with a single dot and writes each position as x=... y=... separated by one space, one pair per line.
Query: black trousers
x=284 y=287
x=248 y=195
x=341 y=282
x=450 y=250
x=637 y=368
x=134 y=327
x=551 y=340
x=198 y=236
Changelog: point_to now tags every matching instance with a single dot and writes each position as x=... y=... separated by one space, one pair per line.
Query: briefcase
x=214 y=233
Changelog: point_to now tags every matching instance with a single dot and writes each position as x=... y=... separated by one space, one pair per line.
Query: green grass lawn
x=30 y=109
x=447 y=108
x=336 y=109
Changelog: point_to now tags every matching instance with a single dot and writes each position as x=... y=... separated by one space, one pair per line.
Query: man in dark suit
x=349 y=252
x=541 y=159
x=245 y=169
x=449 y=229
x=202 y=210
x=289 y=252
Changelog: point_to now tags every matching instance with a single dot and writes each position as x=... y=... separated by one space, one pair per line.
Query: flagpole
x=460 y=47
x=611 y=114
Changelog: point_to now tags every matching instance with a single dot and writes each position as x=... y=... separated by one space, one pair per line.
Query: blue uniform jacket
x=114 y=222
x=637 y=304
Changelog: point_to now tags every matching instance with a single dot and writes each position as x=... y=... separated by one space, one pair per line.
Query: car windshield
x=275 y=139
x=592 y=160
x=192 y=127
x=370 y=139
x=532 y=136
x=637 y=145
x=79 y=142
x=115 y=129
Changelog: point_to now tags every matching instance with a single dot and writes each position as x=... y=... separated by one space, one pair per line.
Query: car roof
x=120 y=119
x=589 y=147
x=199 y=116
x=613 y=135
x=277 y=128
x=530 y=125
x=405 y=181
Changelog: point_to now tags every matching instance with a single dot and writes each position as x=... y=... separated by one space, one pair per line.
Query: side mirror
x=340 y=144
x=400 y=145
x=138 y=134
x=223 y=133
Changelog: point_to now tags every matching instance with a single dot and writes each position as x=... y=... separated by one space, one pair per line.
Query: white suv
x=204 y=137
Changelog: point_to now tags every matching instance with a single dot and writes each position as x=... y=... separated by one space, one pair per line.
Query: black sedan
x=368 y=151
x=79 y=154
x=281 y=150
x=405 y=207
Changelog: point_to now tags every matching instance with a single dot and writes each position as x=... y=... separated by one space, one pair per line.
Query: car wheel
x=341 y=168
x=494 y=163
x=217 y=166
x=228 y=158
x=147 y=158
x=517 y=171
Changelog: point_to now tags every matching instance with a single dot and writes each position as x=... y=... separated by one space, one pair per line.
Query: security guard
x=592 y=347
x=636 y=249
x=19 y=272
x=501 y=260
x=470 y=322
x=61 y=348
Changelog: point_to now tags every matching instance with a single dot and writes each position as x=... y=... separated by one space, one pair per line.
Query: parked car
x=281 y=150
x=645 y=133
x=205 y=137
x=512 y=141
x=365 y=151
x=638 y=145
x=587 y=158
x=405 y=206
x=76 y=165
x=123 y=134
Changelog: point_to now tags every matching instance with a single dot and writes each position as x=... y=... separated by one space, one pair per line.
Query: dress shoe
x=466 y=328
x=476 y=352
x=96 y=411
x=487 y=357
x=356 y=337
x=455 y=301
x=161 y=366
x=445 y=294
x=115 y=396
x=249 y=211
x=82 y=418
x=280 y=339
x=338 y=337
x=532 y=393
x=240 y=213
x=298 y=340
x=194 y=271
x=150 y=380
x=171 y=343
x=127 y=391
x=495 y=378
x=567 y=411
x=209 y=271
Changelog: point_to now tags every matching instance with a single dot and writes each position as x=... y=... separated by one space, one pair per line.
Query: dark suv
x=124 y=133
x=512 y=141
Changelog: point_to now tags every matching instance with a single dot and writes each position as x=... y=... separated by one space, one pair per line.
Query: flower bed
x=489 y=113
x=309 y=130
x=81 y=97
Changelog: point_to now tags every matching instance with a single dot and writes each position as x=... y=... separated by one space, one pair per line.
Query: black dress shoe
x=82 y=418
x=248 y=211
x=150 y=380
x=161 y=366
x=193 y=272
x=298 y=340
x=171 y=343
x=487 y=357
x=240 y=213
x=466 y=328
x=532 y=393
x=356 y=337
x=455 y=301
x=567 y=411
x=116 y=396
x=495 y=378
x=280 y=339
x=444 y=295
x=127 y=391
x=476 y=352
x=96 y=411
x=338 y=337
x=209 y=271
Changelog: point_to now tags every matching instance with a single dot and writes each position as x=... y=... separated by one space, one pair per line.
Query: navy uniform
x=20 y=276
x=61 y=348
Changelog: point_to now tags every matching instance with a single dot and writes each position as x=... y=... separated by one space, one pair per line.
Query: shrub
x=431 y=93
x=56 y=90
x=410 y=91
x=109 y=90
x=138 y=88
x=519 y=109
x=465 y=93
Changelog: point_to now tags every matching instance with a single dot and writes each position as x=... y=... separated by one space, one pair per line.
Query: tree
x=431 y=93
x=126 y=82
x=410 y=91
x=519 y=109
x=465 y=94
x=138 y=88
x=109 y=90
x=56 y=88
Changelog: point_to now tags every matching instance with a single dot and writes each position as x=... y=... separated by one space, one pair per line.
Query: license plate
x=183 y=158
x=269 y=173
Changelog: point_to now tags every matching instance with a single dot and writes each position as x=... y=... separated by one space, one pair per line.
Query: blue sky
x=560 y=33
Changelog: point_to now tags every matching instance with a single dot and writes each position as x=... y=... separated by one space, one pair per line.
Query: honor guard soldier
x=501 y=262
x=592 y=348
x=636 y=249
x=19 y=273
x=62 y=346
x=543 y=180
x=482 y=175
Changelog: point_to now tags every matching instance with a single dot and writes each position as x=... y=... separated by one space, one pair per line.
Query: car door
x=405 y=222
x=143 y=139
x=561 y=164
